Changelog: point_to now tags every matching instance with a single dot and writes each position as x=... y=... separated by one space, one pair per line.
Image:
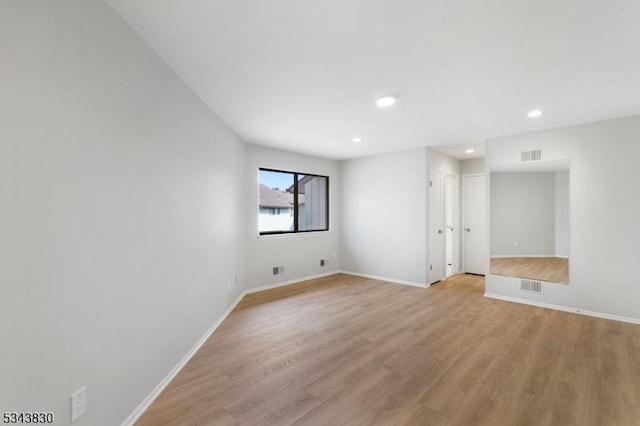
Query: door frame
x=456 y=212
x=456 y=257
x=463 y=251
x=443 y=174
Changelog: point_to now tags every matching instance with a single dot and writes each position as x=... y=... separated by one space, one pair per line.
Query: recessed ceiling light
x=356 y=140
x=534 y=113
x=470 y=151
x=386 y=101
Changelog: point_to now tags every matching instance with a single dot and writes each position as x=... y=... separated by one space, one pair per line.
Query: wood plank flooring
x=345 y=350
x=552 y=269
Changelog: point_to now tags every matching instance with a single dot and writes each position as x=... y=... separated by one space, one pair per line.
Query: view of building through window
x=292 y=202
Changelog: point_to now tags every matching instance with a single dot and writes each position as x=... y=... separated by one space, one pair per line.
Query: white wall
x=299 y=253
x=523 y=213
x=120 y=199
x=562 y=213
x=473 y=165
x=443 y=162
x=383 y=219
x=604 y=212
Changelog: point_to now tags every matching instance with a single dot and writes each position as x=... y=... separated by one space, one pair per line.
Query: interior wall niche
x=529 y=220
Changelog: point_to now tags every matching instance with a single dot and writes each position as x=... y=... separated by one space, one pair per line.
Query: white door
x=473 y=222
x=451 y=217
x=436 y=227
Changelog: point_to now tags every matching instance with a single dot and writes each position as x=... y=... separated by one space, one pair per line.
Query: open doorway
x=449 y=166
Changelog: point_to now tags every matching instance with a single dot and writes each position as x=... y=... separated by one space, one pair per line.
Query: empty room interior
x=332 y=212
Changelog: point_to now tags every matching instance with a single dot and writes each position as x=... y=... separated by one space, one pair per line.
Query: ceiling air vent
x=533 y=155
x=531 y=286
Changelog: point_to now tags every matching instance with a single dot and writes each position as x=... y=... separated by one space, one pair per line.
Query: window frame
x=295 y=203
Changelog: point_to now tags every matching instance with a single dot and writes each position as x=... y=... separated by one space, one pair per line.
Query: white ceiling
x=459 y=151
x=303 y=75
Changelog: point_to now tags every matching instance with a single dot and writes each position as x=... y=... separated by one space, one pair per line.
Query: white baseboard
x=283 y=283
x=139 y=411
x=144 y=405
x=391 y=280
x=609 y=316
x=564 y=308
x=509 y=256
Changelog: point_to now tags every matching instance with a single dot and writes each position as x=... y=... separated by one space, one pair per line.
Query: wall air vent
x=533 y=155
x=531 y=286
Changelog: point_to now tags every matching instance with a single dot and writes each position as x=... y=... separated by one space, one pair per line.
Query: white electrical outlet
x=78 y=404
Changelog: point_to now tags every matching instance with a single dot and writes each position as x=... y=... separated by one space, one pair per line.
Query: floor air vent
x=531 y=286
x=533 y=155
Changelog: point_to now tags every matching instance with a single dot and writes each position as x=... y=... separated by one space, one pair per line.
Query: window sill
x=294 y=235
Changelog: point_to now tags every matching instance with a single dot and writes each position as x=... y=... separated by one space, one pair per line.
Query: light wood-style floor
x=345 y=350
x=553 y=269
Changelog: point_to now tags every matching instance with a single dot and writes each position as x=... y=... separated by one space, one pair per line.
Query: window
x=292 y=202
